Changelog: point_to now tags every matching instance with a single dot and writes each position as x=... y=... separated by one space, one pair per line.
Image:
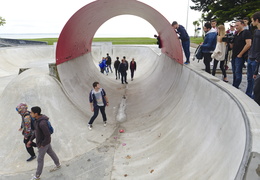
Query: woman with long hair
x=219 y=53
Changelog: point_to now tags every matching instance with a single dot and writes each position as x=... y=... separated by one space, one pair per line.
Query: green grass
x=113 y=40
x=197 y=40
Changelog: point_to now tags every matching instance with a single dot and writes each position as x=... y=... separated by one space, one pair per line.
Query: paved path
x=201 y=65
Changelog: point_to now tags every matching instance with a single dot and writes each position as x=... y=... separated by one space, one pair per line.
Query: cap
x=21 y=107
x=232 y=24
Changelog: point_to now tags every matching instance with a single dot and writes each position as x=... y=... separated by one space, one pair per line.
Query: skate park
x=179 y=122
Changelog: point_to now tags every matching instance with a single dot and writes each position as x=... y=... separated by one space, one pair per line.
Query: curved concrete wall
x=177 y=123
x=174 y=126
x=76 y=36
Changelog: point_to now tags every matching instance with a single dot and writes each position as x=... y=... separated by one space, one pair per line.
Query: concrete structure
x=180 y=122
x=4 y=42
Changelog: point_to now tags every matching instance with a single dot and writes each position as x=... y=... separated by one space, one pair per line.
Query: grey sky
x=30 y=16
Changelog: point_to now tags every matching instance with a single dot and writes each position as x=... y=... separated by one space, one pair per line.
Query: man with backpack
x=208 y=45
x=43 y=140
x=26 y=128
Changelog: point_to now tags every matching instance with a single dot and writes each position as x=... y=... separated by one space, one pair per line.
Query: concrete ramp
x=180 y=123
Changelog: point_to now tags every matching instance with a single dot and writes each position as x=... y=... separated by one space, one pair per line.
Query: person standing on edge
x=232 y=29
x=213 y=24
x=43 y=141
x=219 y=53
x=109 y=62
x=123 y=67
x=246 y=23
x=240 y=47
x=208 y=46
x=132 y=68
x=254 y=53
x=26 y=128
x=98 y=101
x=185 y=40
x=116 y=66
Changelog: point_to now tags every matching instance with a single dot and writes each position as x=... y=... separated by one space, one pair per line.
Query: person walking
x=240 y=47
x=132 y=68
x=109 y=62
x=123 y=67
x=116 y=66
x=254 y=54
x=185 y=40
x=219 y=53
x=104 y=62
x=26 y=128
x=43 y=141
x=98 y=101
x=208 y=46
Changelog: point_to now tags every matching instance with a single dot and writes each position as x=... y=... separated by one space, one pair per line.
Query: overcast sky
x=50 y=16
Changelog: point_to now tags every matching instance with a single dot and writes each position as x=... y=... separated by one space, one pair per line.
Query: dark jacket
x=133 y=65
x=116 y=64
x=108 y=60
x=41 y=133
x=123 y=67
x=183 y=33
x=209 y=43
x=254 y=52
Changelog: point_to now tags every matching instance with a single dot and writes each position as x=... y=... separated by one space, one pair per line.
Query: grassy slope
x=113 y=40
x=119 y=40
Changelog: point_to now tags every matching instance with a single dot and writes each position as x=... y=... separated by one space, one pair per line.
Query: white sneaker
x=90 y=126
x=105 y=123
x=55 y=168
x=36 y=178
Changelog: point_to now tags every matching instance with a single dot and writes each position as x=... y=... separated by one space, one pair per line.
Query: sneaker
x=105 y=123
x=90 y=126
x=187 y=62
x=31 y=158
x=55 y=168
x=36 y=178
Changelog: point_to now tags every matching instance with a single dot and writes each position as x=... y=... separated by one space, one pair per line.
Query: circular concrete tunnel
x=173 y=127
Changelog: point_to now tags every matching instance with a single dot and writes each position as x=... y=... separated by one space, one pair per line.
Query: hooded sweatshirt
x=42 y=133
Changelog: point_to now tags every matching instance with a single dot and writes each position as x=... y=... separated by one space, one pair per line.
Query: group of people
x=240 y=41
x=35 y=125
x=245 y=47
x=121 y=67
x=105 y=64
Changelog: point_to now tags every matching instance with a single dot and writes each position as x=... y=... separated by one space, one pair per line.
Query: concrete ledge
x=18 y=42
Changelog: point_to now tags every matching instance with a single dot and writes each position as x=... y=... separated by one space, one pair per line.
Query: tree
x=226 y=10
x=197 y=29
x=2 y=21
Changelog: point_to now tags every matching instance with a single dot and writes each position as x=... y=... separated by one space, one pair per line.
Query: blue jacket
x=183 y=33
x=209 y=43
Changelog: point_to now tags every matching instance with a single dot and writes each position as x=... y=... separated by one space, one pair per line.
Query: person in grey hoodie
x=43 y=141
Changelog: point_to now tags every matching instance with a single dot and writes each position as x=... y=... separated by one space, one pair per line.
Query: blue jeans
x=186 y=49
x=251 y=65
x=237 y=67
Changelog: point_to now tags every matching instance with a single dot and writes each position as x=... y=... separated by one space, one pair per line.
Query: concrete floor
x=180 y=122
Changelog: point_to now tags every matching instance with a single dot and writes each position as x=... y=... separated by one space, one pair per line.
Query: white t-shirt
x=98 y=96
